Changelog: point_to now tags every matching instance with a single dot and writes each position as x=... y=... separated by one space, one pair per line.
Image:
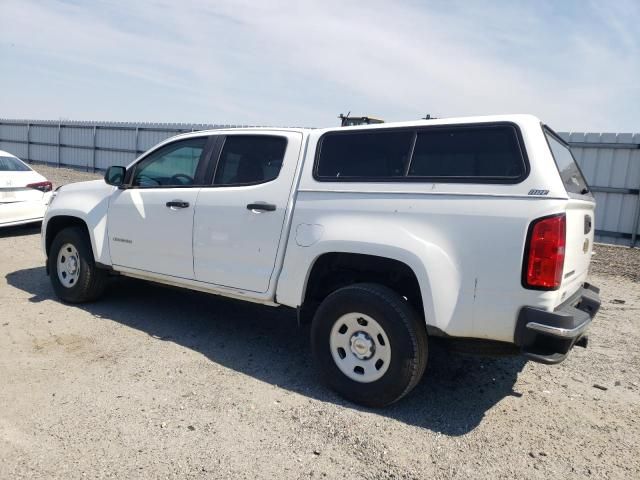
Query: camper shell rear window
x=476 y=153
x=570 y=173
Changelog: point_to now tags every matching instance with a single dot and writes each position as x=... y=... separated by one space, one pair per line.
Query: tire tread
x=92 y=281
x=419 y=364
x=413 y=365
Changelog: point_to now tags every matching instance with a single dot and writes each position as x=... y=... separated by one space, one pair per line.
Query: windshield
x=11 y=164
x=574 y=181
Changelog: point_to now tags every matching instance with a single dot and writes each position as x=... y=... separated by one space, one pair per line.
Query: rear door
x=580 y=215
x=150 y=222
x=239 y=218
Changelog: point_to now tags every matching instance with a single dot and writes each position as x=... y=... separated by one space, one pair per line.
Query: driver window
x=174 y=165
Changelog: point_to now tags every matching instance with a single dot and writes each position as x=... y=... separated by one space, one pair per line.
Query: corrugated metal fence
x=610 y=161
x=88 y=145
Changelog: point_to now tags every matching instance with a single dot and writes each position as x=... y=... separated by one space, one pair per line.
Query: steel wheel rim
x=68 y=265
x=360 y=347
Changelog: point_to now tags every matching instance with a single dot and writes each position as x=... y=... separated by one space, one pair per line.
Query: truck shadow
x=267 y=344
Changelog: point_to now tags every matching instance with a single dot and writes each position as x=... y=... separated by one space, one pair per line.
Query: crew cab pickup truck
x=384 y=237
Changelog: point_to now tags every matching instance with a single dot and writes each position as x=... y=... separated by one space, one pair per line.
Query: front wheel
x=72 y=268
x=369 y=344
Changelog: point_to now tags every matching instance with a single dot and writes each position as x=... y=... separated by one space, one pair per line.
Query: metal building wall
x=610 y=161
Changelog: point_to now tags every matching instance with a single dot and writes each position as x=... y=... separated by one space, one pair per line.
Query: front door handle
x=177 y=204
x=265 y=207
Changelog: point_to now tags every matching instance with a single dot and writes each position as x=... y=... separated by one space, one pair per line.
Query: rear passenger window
x=250 y=159
x=468 y=153
x=365 y=155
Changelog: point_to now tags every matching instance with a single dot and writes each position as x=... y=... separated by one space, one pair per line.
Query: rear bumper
x=547 y=337
x=18 y=213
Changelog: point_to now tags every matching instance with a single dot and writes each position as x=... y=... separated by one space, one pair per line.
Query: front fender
x=88 y=202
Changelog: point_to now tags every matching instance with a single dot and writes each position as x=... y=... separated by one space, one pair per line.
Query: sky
x=573 y=63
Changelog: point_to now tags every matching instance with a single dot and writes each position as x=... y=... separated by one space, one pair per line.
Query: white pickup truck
x=476 y=230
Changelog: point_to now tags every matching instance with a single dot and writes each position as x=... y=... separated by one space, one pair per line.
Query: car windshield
x=11 y=164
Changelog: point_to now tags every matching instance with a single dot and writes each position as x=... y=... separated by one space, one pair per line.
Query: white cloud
x=574 y=65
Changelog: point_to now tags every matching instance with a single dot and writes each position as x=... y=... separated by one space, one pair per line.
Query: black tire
x=406 y=333
x=91 y=281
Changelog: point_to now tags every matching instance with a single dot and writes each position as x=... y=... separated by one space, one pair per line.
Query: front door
x=150 y=222
x=239 y=219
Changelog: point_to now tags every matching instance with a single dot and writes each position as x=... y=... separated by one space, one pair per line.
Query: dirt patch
x=70 y=343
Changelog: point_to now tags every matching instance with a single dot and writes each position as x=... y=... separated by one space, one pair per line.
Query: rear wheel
x=72 y=268
x=369 y=344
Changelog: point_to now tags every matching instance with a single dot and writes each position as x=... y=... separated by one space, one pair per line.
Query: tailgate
x=580 y=219
x=579 y=245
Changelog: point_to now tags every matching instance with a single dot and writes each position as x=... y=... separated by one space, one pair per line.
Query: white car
x=478 y=231
x=24 y=193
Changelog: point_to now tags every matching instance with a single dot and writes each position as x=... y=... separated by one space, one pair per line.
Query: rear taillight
x=544 y=254
x=44 y=187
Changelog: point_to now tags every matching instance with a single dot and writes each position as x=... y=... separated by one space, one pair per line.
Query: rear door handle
x=265 y=207
x=177 y=204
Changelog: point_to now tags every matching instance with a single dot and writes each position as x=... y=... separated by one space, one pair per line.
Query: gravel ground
x=61 y=176
x=154 y=382
x=616 y=261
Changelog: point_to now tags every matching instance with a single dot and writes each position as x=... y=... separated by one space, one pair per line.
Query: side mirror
x=115 y=176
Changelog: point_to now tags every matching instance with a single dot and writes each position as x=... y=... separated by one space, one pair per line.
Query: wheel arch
x=58 y=223
x=55 y=224
x=331 y=270
x=447 y=302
